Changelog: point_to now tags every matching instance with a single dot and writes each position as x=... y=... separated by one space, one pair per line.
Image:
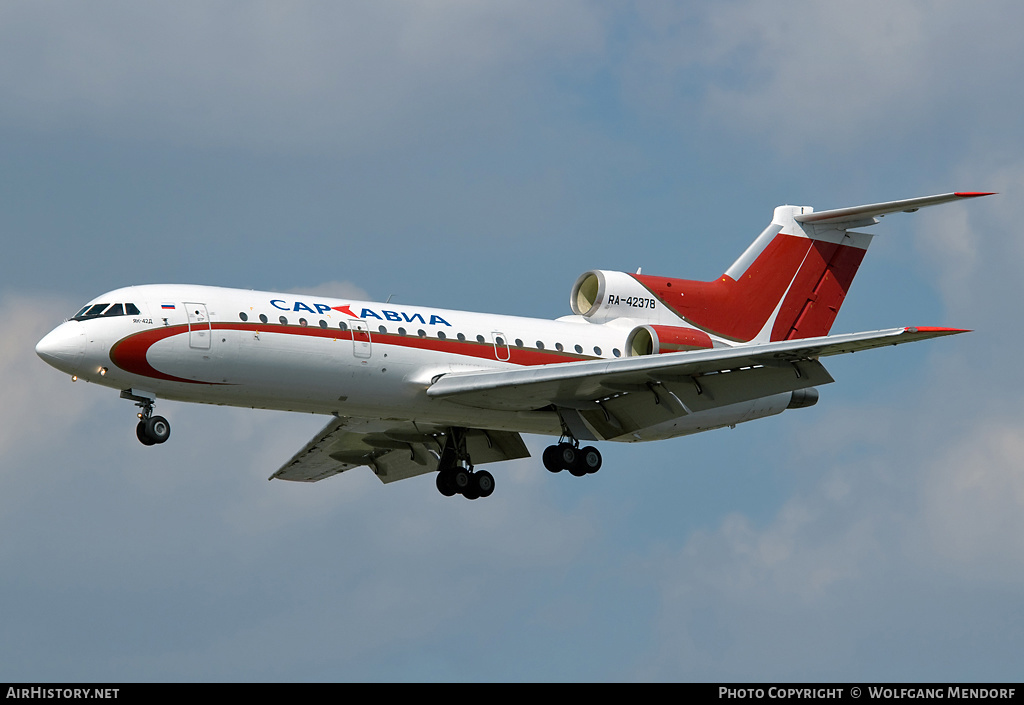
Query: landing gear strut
x=150 y=430
x=567 y=455
x=455 y=474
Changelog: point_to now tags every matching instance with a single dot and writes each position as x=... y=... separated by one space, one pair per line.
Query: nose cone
x=63 y=347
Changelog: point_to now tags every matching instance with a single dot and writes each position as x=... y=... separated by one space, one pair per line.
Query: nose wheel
x=151 y=430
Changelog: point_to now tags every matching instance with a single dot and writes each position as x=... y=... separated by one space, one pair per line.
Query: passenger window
x=401 y=331
x=441 y=335
x=558 y=347
x=263 y=317
x=284 y=321
x=303 y=322
x=519 y=343
x=597 y=350
x=540 y=345
x=615 y=352
x=579 y=348
x=242 y=315
x=382 y=329
x=343 y=325
x=479 y=339
x=462 y=338
x=323 y=323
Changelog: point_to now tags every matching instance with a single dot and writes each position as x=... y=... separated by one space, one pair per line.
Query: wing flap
x=314 y=462
x=392 y=452
x=577 y=384
x=644 y=406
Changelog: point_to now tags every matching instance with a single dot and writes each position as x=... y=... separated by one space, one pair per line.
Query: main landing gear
x=470 y=483
x=455 y=474
x=567 y=455
x=150 y=430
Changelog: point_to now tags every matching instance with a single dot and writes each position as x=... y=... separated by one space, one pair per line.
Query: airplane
x=413 y=389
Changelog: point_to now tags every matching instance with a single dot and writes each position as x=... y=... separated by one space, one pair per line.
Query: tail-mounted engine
x=601 y=295
x=653 y=340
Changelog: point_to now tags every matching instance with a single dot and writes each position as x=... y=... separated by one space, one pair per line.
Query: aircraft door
x=360 y=338
x=501 y=350
x=198 y=326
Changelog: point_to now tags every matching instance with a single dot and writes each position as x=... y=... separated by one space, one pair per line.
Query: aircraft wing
x=621 y=395
x=393 y=452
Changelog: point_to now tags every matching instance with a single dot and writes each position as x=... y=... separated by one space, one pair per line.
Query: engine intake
x=601 y=295
x=588 y=293
x=654 y=340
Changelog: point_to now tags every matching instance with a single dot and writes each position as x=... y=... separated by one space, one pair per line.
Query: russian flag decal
x=167 y=306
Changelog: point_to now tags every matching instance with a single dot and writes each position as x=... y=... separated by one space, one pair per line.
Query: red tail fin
x=789 y=284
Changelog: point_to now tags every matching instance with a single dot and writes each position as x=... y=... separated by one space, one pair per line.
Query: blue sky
x=482 y=155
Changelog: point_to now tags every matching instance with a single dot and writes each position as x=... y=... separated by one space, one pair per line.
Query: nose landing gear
x=150 y=430
x=153 y=430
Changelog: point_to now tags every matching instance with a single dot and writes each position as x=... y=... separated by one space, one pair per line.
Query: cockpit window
x=94 y=310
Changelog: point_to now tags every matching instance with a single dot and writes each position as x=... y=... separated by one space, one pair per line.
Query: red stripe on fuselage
x=129 y=353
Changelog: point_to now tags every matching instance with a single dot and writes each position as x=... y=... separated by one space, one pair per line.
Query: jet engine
x=653 y=340
x=601 y=295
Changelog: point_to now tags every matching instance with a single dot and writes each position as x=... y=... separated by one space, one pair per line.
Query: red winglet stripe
x=935 y=329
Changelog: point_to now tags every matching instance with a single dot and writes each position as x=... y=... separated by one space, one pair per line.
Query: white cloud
x=972 y=516
x=919 y=509
x=268 y=75
x=975 y=245
x=874 y=78
x=38 y=401
x=365 y=78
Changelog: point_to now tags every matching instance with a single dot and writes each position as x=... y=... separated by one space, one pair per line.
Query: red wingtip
x=936 y=329
x=973 y=194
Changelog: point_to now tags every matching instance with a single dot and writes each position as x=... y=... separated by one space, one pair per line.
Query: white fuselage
x=315 y=354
